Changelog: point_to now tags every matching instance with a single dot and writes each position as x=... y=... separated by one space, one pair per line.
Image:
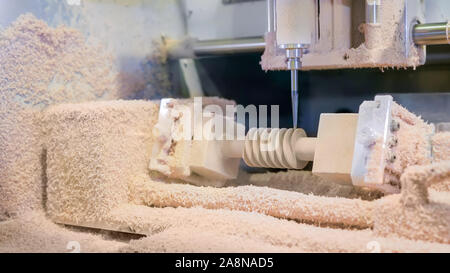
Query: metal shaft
x=271 y=16
x=432 y=34
x=294 y=96
x=423 y=34
x=231 y=46
x=373 y=11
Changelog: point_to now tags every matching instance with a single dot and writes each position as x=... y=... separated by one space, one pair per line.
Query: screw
x=395 y=125
x=393 y=142
x=392 y=157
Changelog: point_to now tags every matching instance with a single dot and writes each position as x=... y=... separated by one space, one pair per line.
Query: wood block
x=334 y=149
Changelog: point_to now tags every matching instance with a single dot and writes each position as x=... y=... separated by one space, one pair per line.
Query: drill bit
x=294 y=53
x=294 y=96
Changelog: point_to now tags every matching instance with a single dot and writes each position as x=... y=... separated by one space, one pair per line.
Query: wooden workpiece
x=334 y=147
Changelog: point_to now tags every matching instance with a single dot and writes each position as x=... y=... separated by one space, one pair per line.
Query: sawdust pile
x=200 y=230
x=34 y=232
x=305 y=182
x=41 y=66
x=278 y=203
x=418 y=213
x=181 y=230
x=441 y=146
x=441 y=153
x=96 y=153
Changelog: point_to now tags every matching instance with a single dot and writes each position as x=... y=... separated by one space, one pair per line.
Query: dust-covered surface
x=174 y=149
x=97 y=176
x=94 y=165
x=87 y=164
x=95 y=153
x=441 y=146
x=34 y=232
x=305 y=182
x=178 y=228
x=90 y=184
x=418 y=213
x=40 y=66
x=410 y=144
x=386 y=46
x=200 y=230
